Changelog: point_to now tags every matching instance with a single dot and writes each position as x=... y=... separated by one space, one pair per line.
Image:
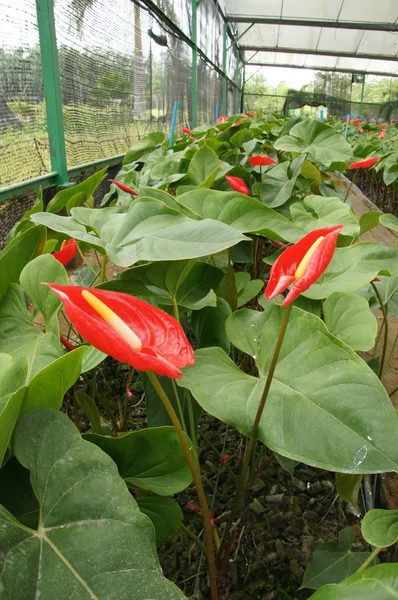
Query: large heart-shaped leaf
x=277 y=186
x=146 y=144
x=377 y=583
x=190 y=283
x=354 y=266
x=76 y=195
x=315 y=212
x=318 y=384
x=245 y=214
x=209 y=325
x=380 y=527
x=12 y=394
x=318 y=140
x=204 y=167
x=151 y=459
x=92 y=534
x=390 y=221
x=151 y=231
x=70 y=227
x=44 y=269
x=331 y=562
x=165 y=514
x=247 y=288
x=18 y=253
x=349 y=318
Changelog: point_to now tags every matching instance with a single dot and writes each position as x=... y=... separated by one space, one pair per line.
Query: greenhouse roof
x=331 y=35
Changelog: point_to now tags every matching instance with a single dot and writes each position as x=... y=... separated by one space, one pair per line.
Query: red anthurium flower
x=361 y=130
x=260 y=159
x=382 y=125
x=364 y=164
x=186 y=130
x=238 y=123
x=250 y=114
x=127 y=328
x=68 y=251
x=302 y=264
x=222 y=119
x=124 y=188
x=237 y=184
x=382 y=134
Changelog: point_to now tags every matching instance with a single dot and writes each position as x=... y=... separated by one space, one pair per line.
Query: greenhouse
x=198 y=300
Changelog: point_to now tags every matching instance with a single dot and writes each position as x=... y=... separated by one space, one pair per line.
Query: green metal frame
x=224 y=68
x=194 y=65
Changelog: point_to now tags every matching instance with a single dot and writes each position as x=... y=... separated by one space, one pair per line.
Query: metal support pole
x=224 y=68
x=237 y=84
x=52 y=90
x=362 y=93
x=194 y=66
x=242 y=97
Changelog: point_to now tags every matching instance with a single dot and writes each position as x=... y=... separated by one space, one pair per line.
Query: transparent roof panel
x=359 y=36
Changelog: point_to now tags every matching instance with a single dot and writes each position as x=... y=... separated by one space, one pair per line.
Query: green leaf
x=380 y=527
x=277 y=186
x=286 y=463
x=18 y=253
x=377 y=583
x=92 y=358
x=92 y=533
x=90 y=408
x=354 y=266
x=369 y=221
x=203 y=167
x=151 y=231
x=348 y=486
x=70 y=227
x=315 y=212
x=76 y=194
x=157 y=415
x=10 y=407
x=245 y=214
x=349 y=318
x=390 y=221
x=318 y=140
x=317 y=385
x=16 y=494
x=151 y=459
x=190 y=282
x=332 y=563
x=247 y=288
x=209 y=325
x=146 y=144
x=165 y=514
x=44 y=269
x=20 y=337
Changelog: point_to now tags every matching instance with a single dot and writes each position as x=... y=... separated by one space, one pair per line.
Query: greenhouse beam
x=333 y=24
x=52 y=90
x=362 y=93
x=194 y=66
x=310 y=52
x=326 y=69
x=224 y=68
x=237 y=84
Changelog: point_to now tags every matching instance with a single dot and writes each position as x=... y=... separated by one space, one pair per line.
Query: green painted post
x=242 y=97
x=52 y=90
x=362 y=93
x=194 y=67
x=224 y=69
x=237 y=84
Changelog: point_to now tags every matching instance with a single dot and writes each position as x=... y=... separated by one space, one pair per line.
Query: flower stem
x=350 y=186
x=385 y=319
x=392 y=354
x=253 y=435
x=193 y=537
x=370 y=559
x=103 y=268
x=175 y=308
x=193 y=467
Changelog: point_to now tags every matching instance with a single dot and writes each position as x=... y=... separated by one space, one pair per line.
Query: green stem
x=253 y=435
x=180 y=411
x=188 y=402
x=103 y=268
x=393 y=392
x=377 y=340
x=193 y=537
x=88 y=264
x=350 y=186
x=175 y=308
x=385 y=320
x=193 y=467
x=392 y=354
x=370 y=559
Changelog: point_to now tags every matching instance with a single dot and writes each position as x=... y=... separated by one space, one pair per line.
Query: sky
x=294 y=78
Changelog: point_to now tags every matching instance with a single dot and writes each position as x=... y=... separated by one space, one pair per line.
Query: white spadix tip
x=115 y=322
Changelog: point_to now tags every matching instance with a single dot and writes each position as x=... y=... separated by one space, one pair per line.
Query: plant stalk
x=350 y=186
x=253 y=435
x=103 y=268
x=370 y=559
x=193 y=467
x=385 y=320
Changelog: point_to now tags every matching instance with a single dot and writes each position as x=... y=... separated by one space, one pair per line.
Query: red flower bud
x=124 y=188
x=260 y=159
x=68 y=251
x=302 y=264
x=186 y=130
x=237 y=184
x=250 y=114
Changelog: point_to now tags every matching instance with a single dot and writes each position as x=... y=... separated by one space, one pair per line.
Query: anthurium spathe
x=124 y=188
x=186 y=130
x=302 y=264
x=382 y=134
x=67 y=252
x=128 y=329
x=237 y=184
x=261 y=159
x=364 y=164
x=222 y=119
